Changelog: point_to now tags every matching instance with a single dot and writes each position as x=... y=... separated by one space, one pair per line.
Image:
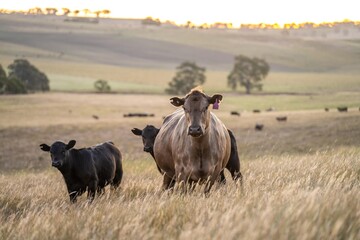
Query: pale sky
x=210 y=11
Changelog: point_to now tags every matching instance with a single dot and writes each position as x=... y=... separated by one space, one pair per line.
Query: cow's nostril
x=195 y=130
x=147 y=149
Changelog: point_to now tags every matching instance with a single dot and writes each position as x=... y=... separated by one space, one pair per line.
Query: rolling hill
x=74 y=54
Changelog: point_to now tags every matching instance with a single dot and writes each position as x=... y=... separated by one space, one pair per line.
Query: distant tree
x=106 y=12
x=76 y=12
x=97 y=13
x=29 y=75
x=102 y=86
x=151 y=21
x=188 y=76
x=51 y=11
x=248 y=73
x=10 y=85
x=86 y=11
x=66 y=11
x=2 y=72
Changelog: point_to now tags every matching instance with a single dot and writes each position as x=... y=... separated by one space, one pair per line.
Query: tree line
x=247 y=72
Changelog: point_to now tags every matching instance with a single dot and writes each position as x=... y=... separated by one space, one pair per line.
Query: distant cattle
x=326 y=109
x=281 y=118
x=150 y=132
x=270 y=109
x=139 y=115
x=95 y=117
x=235 y=113
x=259 y=126
x=342 y=109
x=88 y=169
x=256 y=111
x=193 y=145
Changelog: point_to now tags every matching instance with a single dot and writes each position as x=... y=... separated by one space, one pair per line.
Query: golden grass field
x=301 y=177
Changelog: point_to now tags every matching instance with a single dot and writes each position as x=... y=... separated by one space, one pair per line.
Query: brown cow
x=193 y=145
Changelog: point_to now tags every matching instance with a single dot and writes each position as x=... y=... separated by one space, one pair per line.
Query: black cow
x=342 y=109
x=150 y=132
x=88 y=169
x=259 y=127
x=148 y=135
x=281 y=118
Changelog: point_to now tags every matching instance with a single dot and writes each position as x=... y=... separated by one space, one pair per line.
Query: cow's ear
x=215 y=98
x=71 y=144
x=177 y=102
x=45 y=147
x=136 y=131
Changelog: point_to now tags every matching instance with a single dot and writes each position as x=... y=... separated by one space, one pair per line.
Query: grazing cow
x=281 y=118
x=326 y=109
x=150 y=132
x=342 y=109
x=193 y=145
x=256 y=111
x=259 y=127
x=139 y=115
x=88 y=169
x=236 y=113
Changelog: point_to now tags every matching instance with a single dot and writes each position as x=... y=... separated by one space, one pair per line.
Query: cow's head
x=58 y=152
x=196 y=105
x=148 y=135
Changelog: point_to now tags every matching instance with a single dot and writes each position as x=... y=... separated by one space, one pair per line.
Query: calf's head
x=148 y=135
x=58 y=152
x=196 y=105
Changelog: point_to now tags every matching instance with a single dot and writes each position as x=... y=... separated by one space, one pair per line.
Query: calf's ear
x=71 y=144
x=136 y=131
x=45 y=147
x=177 y=102
x=215 y=98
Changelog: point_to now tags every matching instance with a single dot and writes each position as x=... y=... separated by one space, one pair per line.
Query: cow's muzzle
x=195 y=131
x=147 y=149
x=56 y=164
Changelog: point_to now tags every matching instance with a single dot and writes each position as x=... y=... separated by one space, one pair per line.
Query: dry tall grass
x=290 y=197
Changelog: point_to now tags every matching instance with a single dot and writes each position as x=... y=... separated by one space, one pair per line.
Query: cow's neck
x=200 y=143
x=65 y=169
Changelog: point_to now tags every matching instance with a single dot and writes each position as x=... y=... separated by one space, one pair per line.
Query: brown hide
x=192 y=157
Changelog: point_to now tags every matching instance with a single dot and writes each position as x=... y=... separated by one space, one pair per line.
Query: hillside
x=130 y=56
x=115 y=42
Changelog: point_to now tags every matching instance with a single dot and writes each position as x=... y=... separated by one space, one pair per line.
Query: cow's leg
x=118 y=176
x=222 y=178
x=73 y=195
x=92 y=187
x=208 y=186
x=183 y=182
x=168 y=182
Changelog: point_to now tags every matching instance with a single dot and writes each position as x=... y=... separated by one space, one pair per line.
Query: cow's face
x=58 y=152
x=148 y=135
x=196 y=110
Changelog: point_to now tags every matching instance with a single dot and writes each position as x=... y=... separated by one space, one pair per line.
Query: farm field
x=301 y=177
x=292 y=171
